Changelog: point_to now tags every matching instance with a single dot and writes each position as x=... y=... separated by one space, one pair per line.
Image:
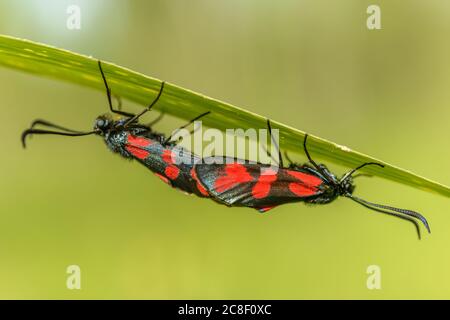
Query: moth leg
x=184 y=126
x=280 y=158
x=108 y=95
x=153 y=122
x=149 y=107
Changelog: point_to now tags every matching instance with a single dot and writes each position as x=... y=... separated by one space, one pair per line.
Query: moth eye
x=100 y=123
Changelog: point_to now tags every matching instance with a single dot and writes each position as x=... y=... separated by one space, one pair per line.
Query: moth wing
x=172 y=164
x=253 y=184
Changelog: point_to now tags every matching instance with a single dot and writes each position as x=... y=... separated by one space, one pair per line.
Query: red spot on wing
x=138 y=141
x=167 y=156
x=172 y=172
x=262 y=187
x=200 y=187
x=302 y=190
x=307 y=179
x=137 y=152
x=307 y=185
x=235 y=174
x=135 y=145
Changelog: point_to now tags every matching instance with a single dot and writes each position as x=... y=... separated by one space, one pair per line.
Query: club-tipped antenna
x=45 y=123
x=401 y=213
x=29 y=132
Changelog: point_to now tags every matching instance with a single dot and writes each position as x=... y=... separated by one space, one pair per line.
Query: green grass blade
x=44 y=60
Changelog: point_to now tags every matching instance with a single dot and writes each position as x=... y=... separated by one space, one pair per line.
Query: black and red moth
x=234 y=182
x=124 y=135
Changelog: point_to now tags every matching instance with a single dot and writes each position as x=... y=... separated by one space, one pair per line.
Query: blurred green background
x=310 y=64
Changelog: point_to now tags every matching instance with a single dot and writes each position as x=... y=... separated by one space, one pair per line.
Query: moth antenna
x=49 y=124
x=39 y=131
x=407 y=214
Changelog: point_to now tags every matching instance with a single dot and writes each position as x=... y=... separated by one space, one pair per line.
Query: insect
x=234 y=182
x=123 y=134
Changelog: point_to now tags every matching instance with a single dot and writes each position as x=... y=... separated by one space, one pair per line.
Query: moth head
x=104 y=124
x=346 y=186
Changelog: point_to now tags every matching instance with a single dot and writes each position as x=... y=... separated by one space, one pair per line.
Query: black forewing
x=155 y=157
x=254 y=184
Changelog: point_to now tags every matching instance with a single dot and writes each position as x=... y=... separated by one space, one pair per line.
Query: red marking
x=262 y=187
x=167 y=156
x=307 y=186
x=307 y=179
x=302 y=190
x=235 y=174
x=138 y=141
x=172 y=172
x=137 y=152
x=200 y=187
x=265 y=209
x=162 y=178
